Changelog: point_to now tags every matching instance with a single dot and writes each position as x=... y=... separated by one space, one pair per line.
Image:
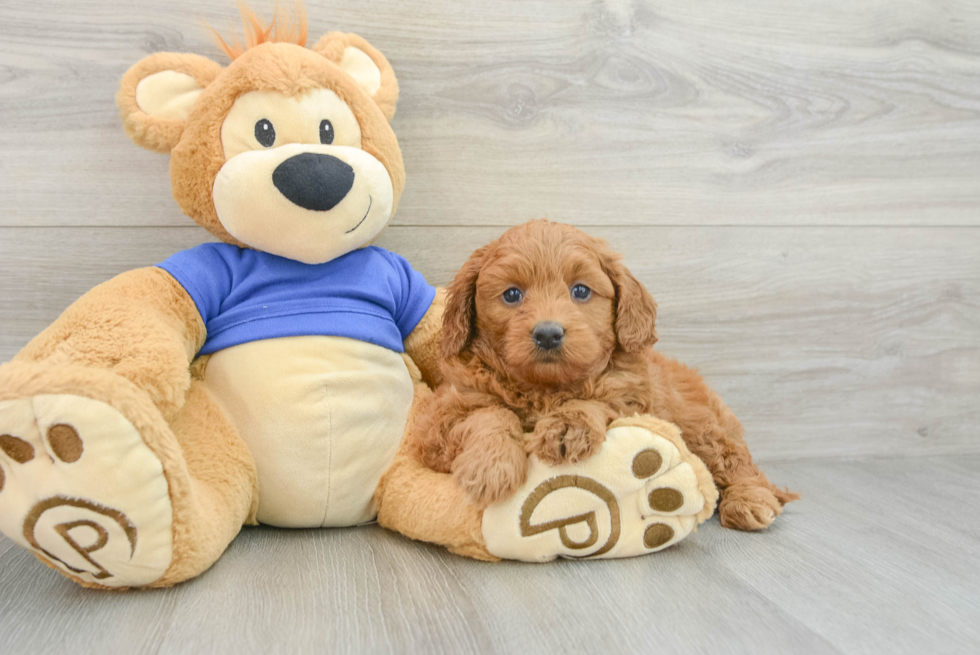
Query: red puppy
x=547 y=338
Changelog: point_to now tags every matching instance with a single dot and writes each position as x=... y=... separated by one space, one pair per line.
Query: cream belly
x=323 y=417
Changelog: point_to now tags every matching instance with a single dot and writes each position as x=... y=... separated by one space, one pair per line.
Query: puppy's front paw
x=488 y=478
x=560 y=439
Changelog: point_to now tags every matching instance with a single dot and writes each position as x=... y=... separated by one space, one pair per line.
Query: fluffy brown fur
x=281 y=29
x=505 y=397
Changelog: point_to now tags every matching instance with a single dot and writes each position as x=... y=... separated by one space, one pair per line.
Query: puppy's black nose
x=313 y=180
x=548 y=335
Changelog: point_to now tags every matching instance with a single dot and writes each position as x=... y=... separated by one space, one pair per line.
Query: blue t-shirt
x=245 y=295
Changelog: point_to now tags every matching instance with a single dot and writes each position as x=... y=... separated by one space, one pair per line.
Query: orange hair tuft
x=282 y=29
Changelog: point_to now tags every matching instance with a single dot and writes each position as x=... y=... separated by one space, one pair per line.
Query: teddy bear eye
x=265 y=134
x=512 y=296
x=581 y=292
x=326 y=132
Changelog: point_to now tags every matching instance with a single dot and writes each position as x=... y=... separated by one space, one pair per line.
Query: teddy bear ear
x=157 y=93
x=365 y=64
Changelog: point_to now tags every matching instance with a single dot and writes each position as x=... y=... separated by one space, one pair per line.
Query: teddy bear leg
x=223 y=487
x=97 y=485
x=428 y=506
x=425 y=505
x=642 y=492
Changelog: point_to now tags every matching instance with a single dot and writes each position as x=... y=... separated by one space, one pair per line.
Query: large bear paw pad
x=641 y=493
x=80 y=489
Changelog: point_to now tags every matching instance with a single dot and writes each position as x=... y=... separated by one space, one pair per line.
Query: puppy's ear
x=460 y=314
x=636 y=311
x=365 y=64
x=157 y=93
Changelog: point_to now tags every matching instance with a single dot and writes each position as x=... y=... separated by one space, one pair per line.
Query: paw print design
x=81 y=490
x=641 y=493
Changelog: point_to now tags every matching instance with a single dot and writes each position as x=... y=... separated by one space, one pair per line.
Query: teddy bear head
x=287 y=150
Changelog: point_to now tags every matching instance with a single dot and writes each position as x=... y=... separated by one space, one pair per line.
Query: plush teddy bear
x=268 y=377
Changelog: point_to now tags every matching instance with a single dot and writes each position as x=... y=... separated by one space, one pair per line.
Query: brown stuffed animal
x=257 y=379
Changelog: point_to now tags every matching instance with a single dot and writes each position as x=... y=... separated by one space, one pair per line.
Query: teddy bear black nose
x=548 y=335
x=313 y=180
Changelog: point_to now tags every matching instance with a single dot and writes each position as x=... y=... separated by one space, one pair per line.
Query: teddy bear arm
x=141 y=325
x=424 y=343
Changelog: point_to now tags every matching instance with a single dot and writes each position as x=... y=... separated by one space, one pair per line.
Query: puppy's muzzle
x=313 y=180
x=548 y=335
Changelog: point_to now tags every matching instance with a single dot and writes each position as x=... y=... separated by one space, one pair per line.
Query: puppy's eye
x=265 y=134
x=581 y=292
x=326 y=132
x=512 y=296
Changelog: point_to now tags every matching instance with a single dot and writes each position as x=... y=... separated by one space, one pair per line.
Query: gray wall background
x=797 y=184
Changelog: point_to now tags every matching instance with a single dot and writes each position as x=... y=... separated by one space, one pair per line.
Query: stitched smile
x=370 y=202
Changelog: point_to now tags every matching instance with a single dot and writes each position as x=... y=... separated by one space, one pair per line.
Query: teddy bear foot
x=642 y=492
x=80 y=489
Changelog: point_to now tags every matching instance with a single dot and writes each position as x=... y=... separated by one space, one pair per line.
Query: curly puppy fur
x=506 y=397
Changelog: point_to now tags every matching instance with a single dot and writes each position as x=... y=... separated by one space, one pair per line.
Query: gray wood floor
x=879 y=558
x=798 y=183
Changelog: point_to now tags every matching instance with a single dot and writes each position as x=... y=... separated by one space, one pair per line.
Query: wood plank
x=605 y=112
x=367 y=590
x=825 y=341
x=883 y=554
x=876 y=558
